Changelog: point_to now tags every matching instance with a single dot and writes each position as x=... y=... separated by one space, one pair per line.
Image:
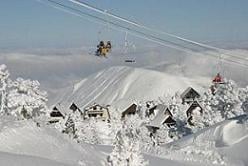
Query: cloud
x=58 y=68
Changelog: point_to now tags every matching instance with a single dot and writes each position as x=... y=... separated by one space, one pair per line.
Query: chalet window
x=56 y=114
x=92 y=115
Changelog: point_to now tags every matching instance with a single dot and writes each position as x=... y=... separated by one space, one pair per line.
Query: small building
x=163 y=116
x=97 y=111
x=194 y=109
x=56 y=115
x=189 y=95
x=131 y=110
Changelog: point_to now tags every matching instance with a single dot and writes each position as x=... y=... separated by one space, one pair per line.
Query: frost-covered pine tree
x=115 y=124
x=68 y=126
x=87 y=132
x=243 y=96
x=25 y=100
x=126 y=150
x=224 y=104
x=4 y=79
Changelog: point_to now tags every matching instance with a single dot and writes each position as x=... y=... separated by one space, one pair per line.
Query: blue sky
x=29 y=24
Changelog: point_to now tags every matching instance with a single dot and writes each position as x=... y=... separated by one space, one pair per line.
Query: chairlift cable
x=101 y=11
x=117 y=26
x=136 y=33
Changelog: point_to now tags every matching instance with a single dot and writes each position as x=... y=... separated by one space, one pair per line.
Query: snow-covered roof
x=64 y=108
x=162 y=114
x=195 y=105
x=123 y=105
x=61 y=108
x=96 y=105
x=187 y=91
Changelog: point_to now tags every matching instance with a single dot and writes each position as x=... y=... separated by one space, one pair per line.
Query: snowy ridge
x=119 y=83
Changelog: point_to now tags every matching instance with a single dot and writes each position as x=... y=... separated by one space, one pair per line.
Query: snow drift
x=27 y=143
x=223 y=143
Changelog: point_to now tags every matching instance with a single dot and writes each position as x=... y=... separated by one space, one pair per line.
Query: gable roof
x=162 y=114
x=130 y=110
x=188 y=90
x=193 y=106
x=95 y=105
x=65 y=109
x=60 y=108
x=122 y=105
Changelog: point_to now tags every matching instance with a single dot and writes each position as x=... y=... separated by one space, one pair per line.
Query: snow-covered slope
x=27 y=143
x=224 y=143
x=24 y=160
x=120 y=83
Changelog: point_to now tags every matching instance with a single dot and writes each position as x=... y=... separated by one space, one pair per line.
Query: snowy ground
x=24 y=144
x=36 y=145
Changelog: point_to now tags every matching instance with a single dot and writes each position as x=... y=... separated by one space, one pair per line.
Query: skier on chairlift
x=218 y=79
x=109 y=46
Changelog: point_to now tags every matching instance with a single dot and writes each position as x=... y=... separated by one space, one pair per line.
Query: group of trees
x=21 y=98
x=228 y=101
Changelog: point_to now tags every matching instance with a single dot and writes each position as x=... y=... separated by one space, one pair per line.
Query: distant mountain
x=125 y=83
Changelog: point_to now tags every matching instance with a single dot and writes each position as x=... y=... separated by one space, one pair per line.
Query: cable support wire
x=105 y=12
x=137 y=33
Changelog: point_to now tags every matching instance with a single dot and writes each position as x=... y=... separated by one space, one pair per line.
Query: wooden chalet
x=162 y=117
x=189 y=95
x=56 y=115
x=194 y=108
x=97 y=111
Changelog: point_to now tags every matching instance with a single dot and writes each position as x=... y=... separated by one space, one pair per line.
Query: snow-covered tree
x=224 y=104
x=25 y=100
x=115 y=122
x=243 y=96
x=126 y=150
x=4 y=77
x=162 y=135
x=87 y=132
x=68 y=126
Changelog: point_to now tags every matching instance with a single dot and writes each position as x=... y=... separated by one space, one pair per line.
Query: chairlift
x=126 y=48
x=130 y=61
x=103 y=49
x=218 y=79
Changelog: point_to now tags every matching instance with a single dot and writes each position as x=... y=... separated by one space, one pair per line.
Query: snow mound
x=231 y=133
x=224 y=143
x=119 y=83
x=25 y=138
